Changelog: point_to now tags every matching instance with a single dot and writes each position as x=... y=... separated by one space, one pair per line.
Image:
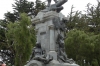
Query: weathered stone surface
x=48 y=26
x=34 y=63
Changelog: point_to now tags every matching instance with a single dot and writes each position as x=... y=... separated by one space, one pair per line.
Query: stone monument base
x=52 y=63
x=56 y=63
x=34 y=63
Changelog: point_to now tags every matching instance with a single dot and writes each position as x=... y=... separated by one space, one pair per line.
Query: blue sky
x=6 y=5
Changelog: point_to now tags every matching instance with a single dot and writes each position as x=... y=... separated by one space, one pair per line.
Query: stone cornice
x=43 y=17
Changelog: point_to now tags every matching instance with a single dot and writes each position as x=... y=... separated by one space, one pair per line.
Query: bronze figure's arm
x=49 y=2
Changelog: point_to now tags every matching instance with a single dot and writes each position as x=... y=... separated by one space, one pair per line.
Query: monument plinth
x=45 y=31
x=50 y=27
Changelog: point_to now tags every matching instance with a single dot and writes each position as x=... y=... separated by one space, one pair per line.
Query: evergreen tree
x=21 y=35
x=24 y=6
x=76 y=20
x=93 y=18
x=5 y=51
x=2 y=34
x=7 y=44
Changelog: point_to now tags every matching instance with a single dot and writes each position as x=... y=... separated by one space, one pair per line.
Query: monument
x=50 y=27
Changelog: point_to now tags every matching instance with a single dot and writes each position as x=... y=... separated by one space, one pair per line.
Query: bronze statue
x=49 y=2
x=57 y=6
x=39 y=54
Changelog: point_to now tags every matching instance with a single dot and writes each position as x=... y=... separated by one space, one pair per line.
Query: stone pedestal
x=52 y=63
x=34 y=63
x=47 y=34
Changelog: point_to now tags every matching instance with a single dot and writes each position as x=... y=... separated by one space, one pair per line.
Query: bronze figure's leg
x=49 y=2
x=55 y=1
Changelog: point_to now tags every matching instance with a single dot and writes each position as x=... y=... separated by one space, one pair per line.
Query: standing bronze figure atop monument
x=57 y=6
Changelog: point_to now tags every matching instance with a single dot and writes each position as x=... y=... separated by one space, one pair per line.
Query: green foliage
x=76 y=20
x=11 y=36
x=17 y=26
x=23 y=6
x=97 y=48
x=10 y=17
x=83 y=46
x=93 y=18
x=21 y=37
x=83 y=38
x=74 y=41
x=3 y=43
x=38 y=6
x=95 y=63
